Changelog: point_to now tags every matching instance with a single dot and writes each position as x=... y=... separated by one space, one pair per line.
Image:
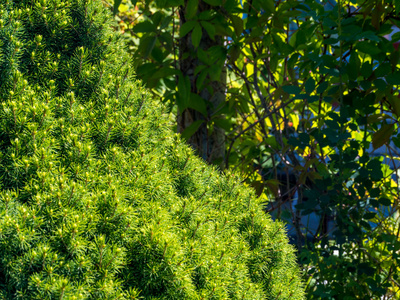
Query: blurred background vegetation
x=302 y=99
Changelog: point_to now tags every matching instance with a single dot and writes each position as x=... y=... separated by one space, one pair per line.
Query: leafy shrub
x=99 y=198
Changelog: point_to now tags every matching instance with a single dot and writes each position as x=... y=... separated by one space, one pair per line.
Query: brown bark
x=209 y=145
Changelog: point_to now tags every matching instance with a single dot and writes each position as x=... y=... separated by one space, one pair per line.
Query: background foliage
x=311 y=118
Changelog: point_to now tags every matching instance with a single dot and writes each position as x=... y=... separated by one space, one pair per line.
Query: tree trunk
x=208 y=140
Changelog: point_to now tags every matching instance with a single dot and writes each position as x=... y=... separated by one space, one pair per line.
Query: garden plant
x=99 y=198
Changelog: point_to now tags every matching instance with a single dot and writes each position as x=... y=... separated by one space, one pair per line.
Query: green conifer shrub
x=99 y=198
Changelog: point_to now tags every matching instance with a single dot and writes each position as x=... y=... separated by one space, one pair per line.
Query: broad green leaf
x=243 y=103
x=380 y=84
x=365 y=84
x=395 y=104
x=329 y=22
x=196 y=35
x=368 y=48
x=396 y=141
x=231 y=5
x=394 y=78
x=310 y=85
x=165 y=71
x=166 y=39
x=383 y=70
x=206 y=15
x=377 y=118
x=237 y=23
x=280 y=44
x=210 y=28
x=366 y=69
x=382 y=136
x=268 y=6
x=117 y=3
x=353 y=66
x=165 y=22
x=376 y=17
x=200 y=79
x=198 y=103
x=313 y=176
x=158 y=54
x=396 y=36
x=291 y=89
x=184 y=88
x=310 y=99
x=385 y=201
x=147 y=67
x=157 y=17
x=215 y=72
x=191 y=129
x=186 y=28
x=223 y=123
x=181 y=102
x=145 y=26
x=292 y=41
x=301 y=38
x=234 y=53
x=293 y=60
x=331 y=41
x=191 y=9
x=216 y=54
x=350 y=32
x=322 y=87
x=203 y=56
x=369 y=215
x=148 y=44
x=394 y=59
x=199 y=68
x=368 y=35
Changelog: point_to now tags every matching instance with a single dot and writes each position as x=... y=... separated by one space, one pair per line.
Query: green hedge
x=99 y=198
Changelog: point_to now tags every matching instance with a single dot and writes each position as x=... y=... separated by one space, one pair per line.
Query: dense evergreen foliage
x=99 y=198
